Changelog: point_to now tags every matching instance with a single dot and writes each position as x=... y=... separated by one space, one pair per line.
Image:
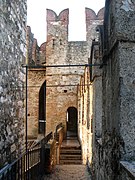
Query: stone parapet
x=119 y=22
x=50 y=156
x=127 y=170
x=59 y=138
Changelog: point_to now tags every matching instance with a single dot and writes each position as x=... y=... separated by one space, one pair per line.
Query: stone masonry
x=56 y=53
x=106 y=102
x=61 y=83
x=116 y=45
x=89 y=89
x=12 y=56
x=103 y=95
x=36 y=77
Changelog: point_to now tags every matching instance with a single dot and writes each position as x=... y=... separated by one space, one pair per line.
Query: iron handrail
x=8 y=166
x=26 y=166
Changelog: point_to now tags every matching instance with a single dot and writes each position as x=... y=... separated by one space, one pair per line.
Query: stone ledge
x=129 y=167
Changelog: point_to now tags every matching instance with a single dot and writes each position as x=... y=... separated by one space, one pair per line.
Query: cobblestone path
x=69 y=172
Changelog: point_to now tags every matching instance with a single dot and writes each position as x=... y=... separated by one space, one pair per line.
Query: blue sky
x=37 y=16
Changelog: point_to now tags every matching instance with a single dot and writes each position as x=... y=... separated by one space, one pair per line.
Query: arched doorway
x=42 y=109
x=72 y=120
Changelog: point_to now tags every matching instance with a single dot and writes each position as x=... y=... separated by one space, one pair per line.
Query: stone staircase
x=70 y=152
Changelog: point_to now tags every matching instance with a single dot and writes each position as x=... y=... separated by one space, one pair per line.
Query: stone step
x=72 y=138
x=70 y=151
x=71 y=161
x=71 y=147
x=70 y=156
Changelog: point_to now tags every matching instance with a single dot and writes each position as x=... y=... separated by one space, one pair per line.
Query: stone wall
x=121 y=21
x=89 y=91
x=127 y=170
x=90 y=107
x=32 y=48
x=60 y=51
x=84 y=115
x=36 y=78
x=96 y=109
x=61 y=91
x=61 y=82
x=92 y=21
x=108 y=103
x=127 y=98
x=118 y=91
x=13 y=49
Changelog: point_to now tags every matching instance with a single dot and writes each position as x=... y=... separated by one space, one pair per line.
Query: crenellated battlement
x=91 y=15
x=57 y=33
x=63 y=16
x=60 y=22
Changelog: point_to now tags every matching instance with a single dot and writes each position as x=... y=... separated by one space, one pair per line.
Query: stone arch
x=64 y=16
x=100 y=14
x=72 y=119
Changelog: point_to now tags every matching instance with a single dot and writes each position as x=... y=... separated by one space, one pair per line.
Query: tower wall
x=63 y=94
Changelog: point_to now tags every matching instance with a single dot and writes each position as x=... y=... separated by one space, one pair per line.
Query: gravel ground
x=69 y=172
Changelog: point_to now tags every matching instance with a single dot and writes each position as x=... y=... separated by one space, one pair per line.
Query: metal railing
x=30 y=165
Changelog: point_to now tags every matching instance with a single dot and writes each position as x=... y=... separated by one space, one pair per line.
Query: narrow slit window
x=60 y=41
x=54 y=42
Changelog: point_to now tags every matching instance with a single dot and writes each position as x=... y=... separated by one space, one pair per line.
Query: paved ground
x=69 y=172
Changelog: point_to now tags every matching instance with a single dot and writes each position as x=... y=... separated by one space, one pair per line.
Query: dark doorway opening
x=42 y=109
x=72 y=120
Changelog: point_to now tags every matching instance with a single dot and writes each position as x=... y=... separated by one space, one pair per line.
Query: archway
x=42 y=109
x=72 y=120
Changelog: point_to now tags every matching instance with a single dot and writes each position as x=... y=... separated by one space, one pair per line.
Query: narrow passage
x=69 y=172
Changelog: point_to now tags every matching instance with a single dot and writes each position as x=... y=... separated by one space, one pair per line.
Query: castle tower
x=57 y=36
x=62 y=82
x=92 y=21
